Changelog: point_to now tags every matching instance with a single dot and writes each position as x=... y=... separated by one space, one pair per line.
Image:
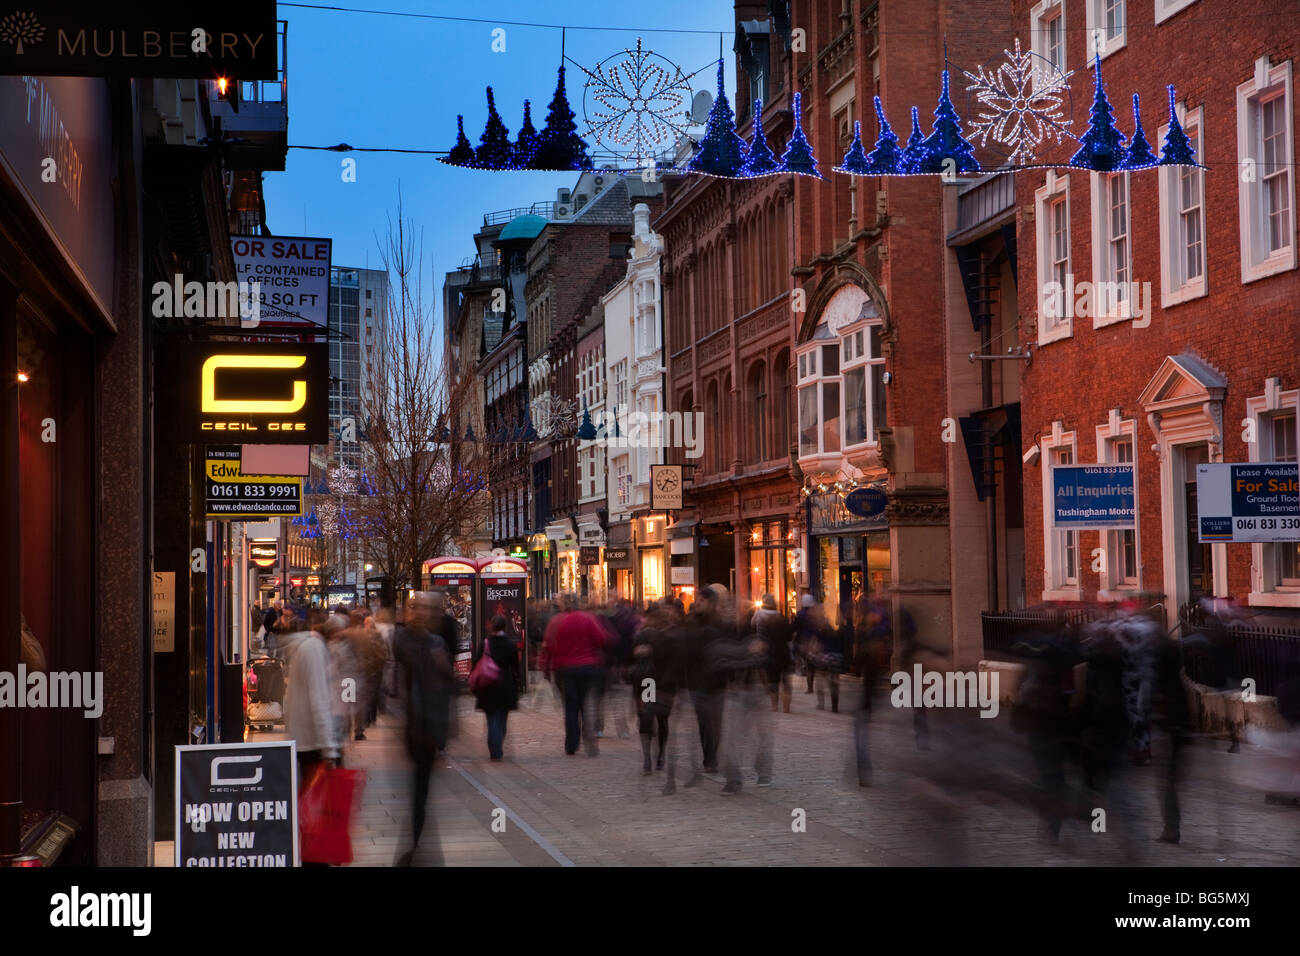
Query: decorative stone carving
x=917 y=506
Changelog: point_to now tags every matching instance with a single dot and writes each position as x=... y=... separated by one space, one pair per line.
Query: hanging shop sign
x=313 y=580
x=830 y=515
x=294 y=277
x=263 y=554
x=866 y=502
x=272 y=394
x=237 y=805
x=618 y=557
x=229 y=493
x=1089 y=497
x=588 y=555
x=1248 y=502
x=295 y=581
x=151 y=39
x=236 y=38
x=682 y=574
x=666 y=487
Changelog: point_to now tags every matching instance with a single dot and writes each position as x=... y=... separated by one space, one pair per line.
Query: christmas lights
x=798 y=156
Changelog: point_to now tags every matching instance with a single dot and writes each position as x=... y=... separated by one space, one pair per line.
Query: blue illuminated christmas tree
x=494 y=149
x=525 y=145
x=915 y=148
x=886 y=159
x=1102 y=146
x=722 y=151
x=462 y=154
x=798 y=156
x=855 y=160
x=1139 y=154
x=558 y=145
x=759 y=161
x=946 y=142
x=1177 y=150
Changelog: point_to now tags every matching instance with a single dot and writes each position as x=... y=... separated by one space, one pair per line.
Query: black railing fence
x=1218 y=651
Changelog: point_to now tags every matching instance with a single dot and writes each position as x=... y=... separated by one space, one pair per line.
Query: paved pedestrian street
x=579 y=810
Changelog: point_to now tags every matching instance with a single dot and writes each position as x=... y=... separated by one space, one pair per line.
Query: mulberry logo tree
x=21 y=27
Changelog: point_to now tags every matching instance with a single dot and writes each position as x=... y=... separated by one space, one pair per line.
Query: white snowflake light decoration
x=640 y=99
x=1023 y=105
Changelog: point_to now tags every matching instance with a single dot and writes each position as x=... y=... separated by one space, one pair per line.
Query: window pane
x=855 y=406
x=808 y=420
x=874 y=332
x=830 y=360
x=830 y=416
x=877 y=400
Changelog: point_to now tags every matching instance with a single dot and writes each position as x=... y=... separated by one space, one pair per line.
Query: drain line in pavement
x=496 y=801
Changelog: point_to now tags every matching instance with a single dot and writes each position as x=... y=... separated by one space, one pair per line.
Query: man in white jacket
x=308 y=712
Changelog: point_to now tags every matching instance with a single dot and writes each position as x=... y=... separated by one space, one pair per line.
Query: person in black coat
x=499 y=698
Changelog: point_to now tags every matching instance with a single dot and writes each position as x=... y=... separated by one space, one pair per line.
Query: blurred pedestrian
x=308 y=701
x=573 y=650
x=748 y=722
x=771 y=625
x=497 y=699
x=704 y=626
x=429 y=682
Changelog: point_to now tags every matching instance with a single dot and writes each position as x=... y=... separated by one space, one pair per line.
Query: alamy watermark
x=623 y=428
x=946 y=689
x=208 y=300
x=73 y=689
x=1101 y=300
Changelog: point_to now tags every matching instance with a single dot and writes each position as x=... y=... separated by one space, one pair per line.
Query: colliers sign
x=253 y=393
x=154 y=38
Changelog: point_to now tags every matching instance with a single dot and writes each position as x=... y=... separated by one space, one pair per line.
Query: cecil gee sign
x=1259 y=502
x=1092 y=496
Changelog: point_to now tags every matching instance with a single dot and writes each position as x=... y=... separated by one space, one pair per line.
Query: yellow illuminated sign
x=252 y=406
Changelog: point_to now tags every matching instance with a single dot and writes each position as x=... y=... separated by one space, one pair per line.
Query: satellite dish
x=700 y=106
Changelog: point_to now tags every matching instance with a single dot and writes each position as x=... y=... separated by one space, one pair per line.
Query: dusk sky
x=377 y=80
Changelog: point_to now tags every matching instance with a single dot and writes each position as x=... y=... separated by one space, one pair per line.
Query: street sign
x=1090 y=497
x=1248 y=502
x=231 y=494
x=237 y=805
x=666 y=487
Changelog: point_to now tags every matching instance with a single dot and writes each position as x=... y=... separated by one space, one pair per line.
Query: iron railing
x=1222 y=653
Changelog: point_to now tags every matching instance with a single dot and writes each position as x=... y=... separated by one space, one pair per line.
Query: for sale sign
x=1248 y=502
x=237 y=805
x=230 y=493
x=294 y=276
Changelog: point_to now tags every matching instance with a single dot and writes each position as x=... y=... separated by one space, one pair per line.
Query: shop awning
x=684 y=528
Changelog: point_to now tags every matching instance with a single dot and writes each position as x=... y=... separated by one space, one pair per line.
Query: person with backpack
x=497 y=696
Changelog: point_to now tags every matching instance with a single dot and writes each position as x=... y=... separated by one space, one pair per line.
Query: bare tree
x=427 y=483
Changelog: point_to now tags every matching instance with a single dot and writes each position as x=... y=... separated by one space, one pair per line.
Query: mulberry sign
x=158 y=39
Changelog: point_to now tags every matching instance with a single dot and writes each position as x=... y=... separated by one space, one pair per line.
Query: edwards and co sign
x=154 y=38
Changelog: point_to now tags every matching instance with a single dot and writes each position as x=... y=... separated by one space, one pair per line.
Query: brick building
x=1207 y=369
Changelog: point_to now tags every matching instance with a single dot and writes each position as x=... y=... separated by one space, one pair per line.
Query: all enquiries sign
x=237 y=805
x=1248 y=502
x=1089 y=497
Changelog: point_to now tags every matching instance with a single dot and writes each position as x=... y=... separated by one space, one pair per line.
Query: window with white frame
x=1055 y=272
x=862 y=362
x=1106 y=27
x=1266 y=186
x=620 y=384
x=1061 y=548
x=1167 y=8
x=1121 y=544
x=819 y=397
x=1047 y=37
x=1182 y=213
x=1112 y=251
x=1277 y=565
x=624 y=481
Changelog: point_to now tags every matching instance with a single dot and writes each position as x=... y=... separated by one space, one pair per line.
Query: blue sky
x=392 y=81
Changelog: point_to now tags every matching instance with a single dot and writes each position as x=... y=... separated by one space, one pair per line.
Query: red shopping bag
x=324 y=813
